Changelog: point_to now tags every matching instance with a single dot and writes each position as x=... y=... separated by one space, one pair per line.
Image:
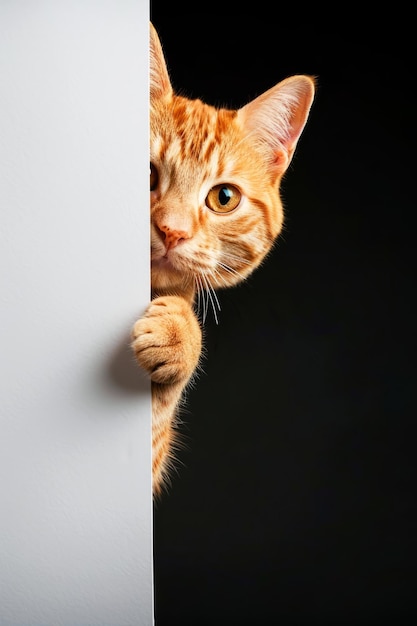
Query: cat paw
x=166 y=340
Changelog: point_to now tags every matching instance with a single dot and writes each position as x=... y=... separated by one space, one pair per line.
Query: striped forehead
x=192 y=131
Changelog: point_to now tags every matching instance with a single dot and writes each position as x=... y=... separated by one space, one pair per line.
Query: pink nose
x=172 y=237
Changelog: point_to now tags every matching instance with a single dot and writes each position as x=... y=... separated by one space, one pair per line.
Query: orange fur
x=204 y=161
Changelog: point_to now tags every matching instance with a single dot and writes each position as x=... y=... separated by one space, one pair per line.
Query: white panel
x=75 y=477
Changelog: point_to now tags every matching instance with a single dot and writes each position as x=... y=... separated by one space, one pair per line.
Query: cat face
x=215 y=210
x=214 y=180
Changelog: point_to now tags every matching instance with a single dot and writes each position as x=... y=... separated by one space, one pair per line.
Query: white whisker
x=214 y=292
x=205 y=299
x=218 y=277
x=202 y=299
x=229 y=269
x=205 y=278
x=237 y=258
x=198 y=290
x=211 y=291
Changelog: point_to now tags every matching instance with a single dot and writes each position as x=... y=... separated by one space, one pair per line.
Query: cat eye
x=154 y=177
x=223 y=198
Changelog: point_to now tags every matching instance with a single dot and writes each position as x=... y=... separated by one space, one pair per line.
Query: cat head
x=215 y=176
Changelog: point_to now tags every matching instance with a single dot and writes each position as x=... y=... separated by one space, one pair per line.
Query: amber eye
x=223 y=198
x=154 y=177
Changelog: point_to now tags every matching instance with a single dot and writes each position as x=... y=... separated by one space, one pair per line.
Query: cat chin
x=162 y=268
x=165 y=278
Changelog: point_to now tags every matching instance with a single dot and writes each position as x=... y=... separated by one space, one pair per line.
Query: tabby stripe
x=268 y=221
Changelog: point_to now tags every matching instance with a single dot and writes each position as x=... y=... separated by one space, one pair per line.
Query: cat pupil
x=224 y=195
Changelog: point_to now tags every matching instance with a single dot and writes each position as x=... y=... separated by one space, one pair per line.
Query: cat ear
x=277 y=117
x=160 y=84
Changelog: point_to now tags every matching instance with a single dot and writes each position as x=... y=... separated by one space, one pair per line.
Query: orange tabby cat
x=215 y=214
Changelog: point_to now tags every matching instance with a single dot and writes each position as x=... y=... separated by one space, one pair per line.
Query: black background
x=294 y=502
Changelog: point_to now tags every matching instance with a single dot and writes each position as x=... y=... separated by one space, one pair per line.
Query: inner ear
x=280 y=159
x=276 y=118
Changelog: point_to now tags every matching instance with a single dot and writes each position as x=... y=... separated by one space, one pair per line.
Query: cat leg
x=166 y=341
